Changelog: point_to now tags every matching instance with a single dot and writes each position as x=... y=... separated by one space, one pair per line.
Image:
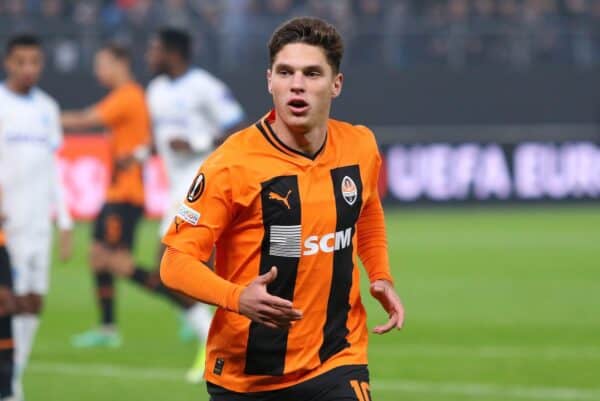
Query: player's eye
x=284 y=72
x=313 y=74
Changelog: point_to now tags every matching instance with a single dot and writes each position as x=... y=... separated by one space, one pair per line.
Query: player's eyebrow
x=312 y=67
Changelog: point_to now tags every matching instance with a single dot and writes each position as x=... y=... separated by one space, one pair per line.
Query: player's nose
x=298 y=81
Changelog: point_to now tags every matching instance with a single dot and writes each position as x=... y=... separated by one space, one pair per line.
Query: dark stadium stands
x=396 y=33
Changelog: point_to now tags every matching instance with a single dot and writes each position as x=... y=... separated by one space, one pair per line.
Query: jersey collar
x=266 y=129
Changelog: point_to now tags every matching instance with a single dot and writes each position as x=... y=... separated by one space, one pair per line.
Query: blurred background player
x=30 y=134
x=124 y=113
x=7 y=309
x=191 y=111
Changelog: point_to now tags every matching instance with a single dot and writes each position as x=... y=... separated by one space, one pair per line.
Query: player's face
x=303 y=84
x=24 y=66
x=105 y=65
x=156 y=57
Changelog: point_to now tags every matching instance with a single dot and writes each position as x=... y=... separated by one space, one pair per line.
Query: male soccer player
x=124 y=112
x=290 y=203
x=191 y=110
x=7 y=309
x=30 y=134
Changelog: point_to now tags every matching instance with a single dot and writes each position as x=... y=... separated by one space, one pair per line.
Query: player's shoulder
x=157 y=83
x=353 y=133
x=236 y=149
x=43 y=97
x=136 y=88
x=202 y=78
x=197 y=73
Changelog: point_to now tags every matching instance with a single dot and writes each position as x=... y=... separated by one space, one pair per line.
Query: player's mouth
x=298 y=107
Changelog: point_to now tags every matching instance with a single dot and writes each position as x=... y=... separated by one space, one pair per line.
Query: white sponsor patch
x=285 y=241
x=188 y=214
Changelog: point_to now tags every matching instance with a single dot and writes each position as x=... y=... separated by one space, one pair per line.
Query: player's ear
x=336 y=87
x=269 y=81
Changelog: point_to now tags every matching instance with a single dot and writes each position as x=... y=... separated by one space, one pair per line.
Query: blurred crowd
x=396 y=33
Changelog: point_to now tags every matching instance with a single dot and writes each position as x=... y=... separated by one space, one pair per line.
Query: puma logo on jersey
x=284 y=200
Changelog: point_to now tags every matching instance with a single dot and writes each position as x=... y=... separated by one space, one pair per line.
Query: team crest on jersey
x=196 y=188
x=349 y=190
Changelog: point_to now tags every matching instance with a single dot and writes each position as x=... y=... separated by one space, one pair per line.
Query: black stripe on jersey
x=269 y=139
x=265 y=353
x=347 y=213
x=297 y=152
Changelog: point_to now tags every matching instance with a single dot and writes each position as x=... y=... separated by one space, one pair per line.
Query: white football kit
x=196 y=107
x=30 y=134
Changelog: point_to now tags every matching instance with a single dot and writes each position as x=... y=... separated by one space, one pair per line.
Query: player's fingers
x=288 y=309
x=281 y=315
x=399 y=311
x=388 y=326
x=268 y=277
x=271 y=322
x=277 y=302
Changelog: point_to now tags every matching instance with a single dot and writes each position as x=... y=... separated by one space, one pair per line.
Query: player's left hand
x=65 y=240
x=123 y=163
x=384 y=292
x=180 y=145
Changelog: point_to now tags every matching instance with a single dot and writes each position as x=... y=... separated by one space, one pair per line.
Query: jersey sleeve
x=372 y=239
x=113 y=107
x=56 y=132
x=204 y=213
x=200 y=221
x=63 y=217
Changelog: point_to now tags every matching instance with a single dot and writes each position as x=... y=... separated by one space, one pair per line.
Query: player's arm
x=373 y=252
x=224 y=109
x=81 y=119
x=63 y=217
x=207 y=211
x=2 y=217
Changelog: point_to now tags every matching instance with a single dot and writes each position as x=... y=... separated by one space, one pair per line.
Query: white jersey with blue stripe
x=30 y=134
x=196 y=107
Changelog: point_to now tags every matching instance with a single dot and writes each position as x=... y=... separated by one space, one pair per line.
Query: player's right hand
x=180 y=145
x=261 y=307
x=65 y=239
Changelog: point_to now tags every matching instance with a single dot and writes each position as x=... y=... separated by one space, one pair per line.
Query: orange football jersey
x=264 y=204
x=125 y=113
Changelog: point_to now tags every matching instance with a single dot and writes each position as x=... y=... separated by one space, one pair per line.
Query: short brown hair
x=311 y=31
x=118 y=51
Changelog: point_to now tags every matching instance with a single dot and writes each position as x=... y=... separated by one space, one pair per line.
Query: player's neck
x=178 y=70
x=16 y=88
x=308 y=142
x=122 y=80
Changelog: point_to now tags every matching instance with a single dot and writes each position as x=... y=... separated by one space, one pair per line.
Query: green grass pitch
x=502 y=304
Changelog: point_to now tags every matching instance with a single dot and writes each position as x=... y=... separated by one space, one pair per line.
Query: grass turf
x=502 y=304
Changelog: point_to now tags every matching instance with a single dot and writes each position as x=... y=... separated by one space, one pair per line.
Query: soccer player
x=30 y=134
x=124 y=112
x=7 y=309
x=191 y=110
x=291 y=204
